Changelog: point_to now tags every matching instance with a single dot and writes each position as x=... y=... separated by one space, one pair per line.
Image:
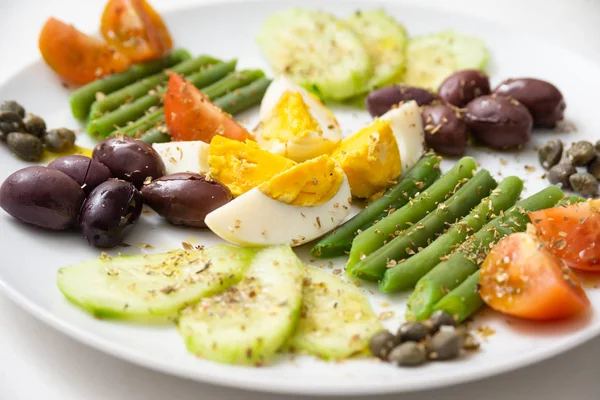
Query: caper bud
x=382 y=343
x=446 y=345
x=412 y=332
x=550 y=153
x=10 y=122
x=560 y=173
x=597 y=145
x=584 y=183
x=581 y=153
x=27 y=147
x=58 y=140
x=439 y=319
x=35 y=125
x=408 y=354
x=10 y=105
x=594 y=167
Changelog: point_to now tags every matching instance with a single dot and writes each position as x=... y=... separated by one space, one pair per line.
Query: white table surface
x=37 y=362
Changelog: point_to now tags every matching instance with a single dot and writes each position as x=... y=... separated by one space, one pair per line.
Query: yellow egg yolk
x=310 y=183
x=243 y=166
x=370 y=158
x=290 y=119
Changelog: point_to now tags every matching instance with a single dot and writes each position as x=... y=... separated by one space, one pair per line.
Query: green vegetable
x=463 y=301
x=406 y=274
x=104 y=125
x=432 y=58
x=142 y=87
x=450 y=273
x=81 y=99
x=158 y=134
x=423 y=232
x=316 y=50
x=243 y=98
x=385 y=40
x=336 y=321
x=418 y=178
x=152 y=287
x=234 y=80
x=377 y=235
x=137 y=128
x=249 y=322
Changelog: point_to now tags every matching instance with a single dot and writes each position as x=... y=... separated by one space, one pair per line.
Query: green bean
x=423 y=232
x=377 y=235
x=243 y=98
x=406 y=274
x=104 y=125
x=158 y=134
x=418 y=178
x=142 y=87
x=234 y=80
x=450 y=273
x=137 y=128
x=463 y=301
x=81 y=99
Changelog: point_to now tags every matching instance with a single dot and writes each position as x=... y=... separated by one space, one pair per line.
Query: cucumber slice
x=249 y=322
x=432 y=58
x=385 y=40
x=316 y=50
x=152 y=287
x=336 y=321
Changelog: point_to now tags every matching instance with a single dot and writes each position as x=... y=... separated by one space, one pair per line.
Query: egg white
x=407 y=126
x=189 y=156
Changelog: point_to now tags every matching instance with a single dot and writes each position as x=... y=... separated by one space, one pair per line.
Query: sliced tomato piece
x=77 y=57
x=572 y=232
x=190 y=115
x=523 y=278
x=135 y=29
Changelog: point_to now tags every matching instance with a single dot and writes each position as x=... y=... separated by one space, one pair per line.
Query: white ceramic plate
x=30 y=257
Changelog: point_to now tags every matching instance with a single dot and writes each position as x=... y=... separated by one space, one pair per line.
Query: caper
x=10 y=105
x=550 y=153
x=27 y=147
x=594 y=167
x=34 y=125
x=412 y=332
x=446 y=345
x=408 y=354
x=584 y=183
x=11 y=122
x=597 y=146
x=439 y=319
x=560 y=173
x=382 y=343
x=470 y=343
x=581 y=153
x=58 y=140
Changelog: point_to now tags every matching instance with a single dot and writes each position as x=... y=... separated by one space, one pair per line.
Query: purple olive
x=463 y=86
x=382 y=100
x=85 y=171
x=445 y=129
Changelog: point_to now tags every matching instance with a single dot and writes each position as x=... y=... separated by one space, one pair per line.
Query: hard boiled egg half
x=294 y=123
x=296 y=206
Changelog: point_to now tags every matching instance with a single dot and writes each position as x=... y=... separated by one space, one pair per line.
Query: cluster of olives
x=104 y=195
x=562 y=168
x=437 y=339
x=501 y=119
x=26 y=135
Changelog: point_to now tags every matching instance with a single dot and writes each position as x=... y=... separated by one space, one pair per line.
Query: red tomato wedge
x=135 y=29
x=190 y=115
x=523 y=278
x=77 y=57
x=572 y=232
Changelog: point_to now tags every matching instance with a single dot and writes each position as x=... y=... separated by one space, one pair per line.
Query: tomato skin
x=190 y=115
x=77 y=57
x=523 y=278
x=572 y=232
x=136 y=29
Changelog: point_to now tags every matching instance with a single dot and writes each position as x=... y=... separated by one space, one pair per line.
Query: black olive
x=27 y=147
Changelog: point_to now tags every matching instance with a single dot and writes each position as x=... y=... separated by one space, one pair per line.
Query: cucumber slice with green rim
x=152 y=287
x=385 y=40
x=336 y=320
x=432 y=58
x=250 y=321
x=316 y=50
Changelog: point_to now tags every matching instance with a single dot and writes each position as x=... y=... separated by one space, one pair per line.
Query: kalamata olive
x=35 y=125
x=383 y=99
x=59 y=140
x=499 y=121
x=42 y=197
x=185 y=198
x=412 y=332
x=439 y=319
x=550 y=153
x=446 y=345
x=11 y=105
x=463 y=86
x=409 y=354
x=27 y=147
x=581 y=153
x=543 y=100
x=445 y=129
x=382 y=343
x=86 y=172
x=560 y=173
x=584 y=183
x=109 y=213
x=130 y=159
